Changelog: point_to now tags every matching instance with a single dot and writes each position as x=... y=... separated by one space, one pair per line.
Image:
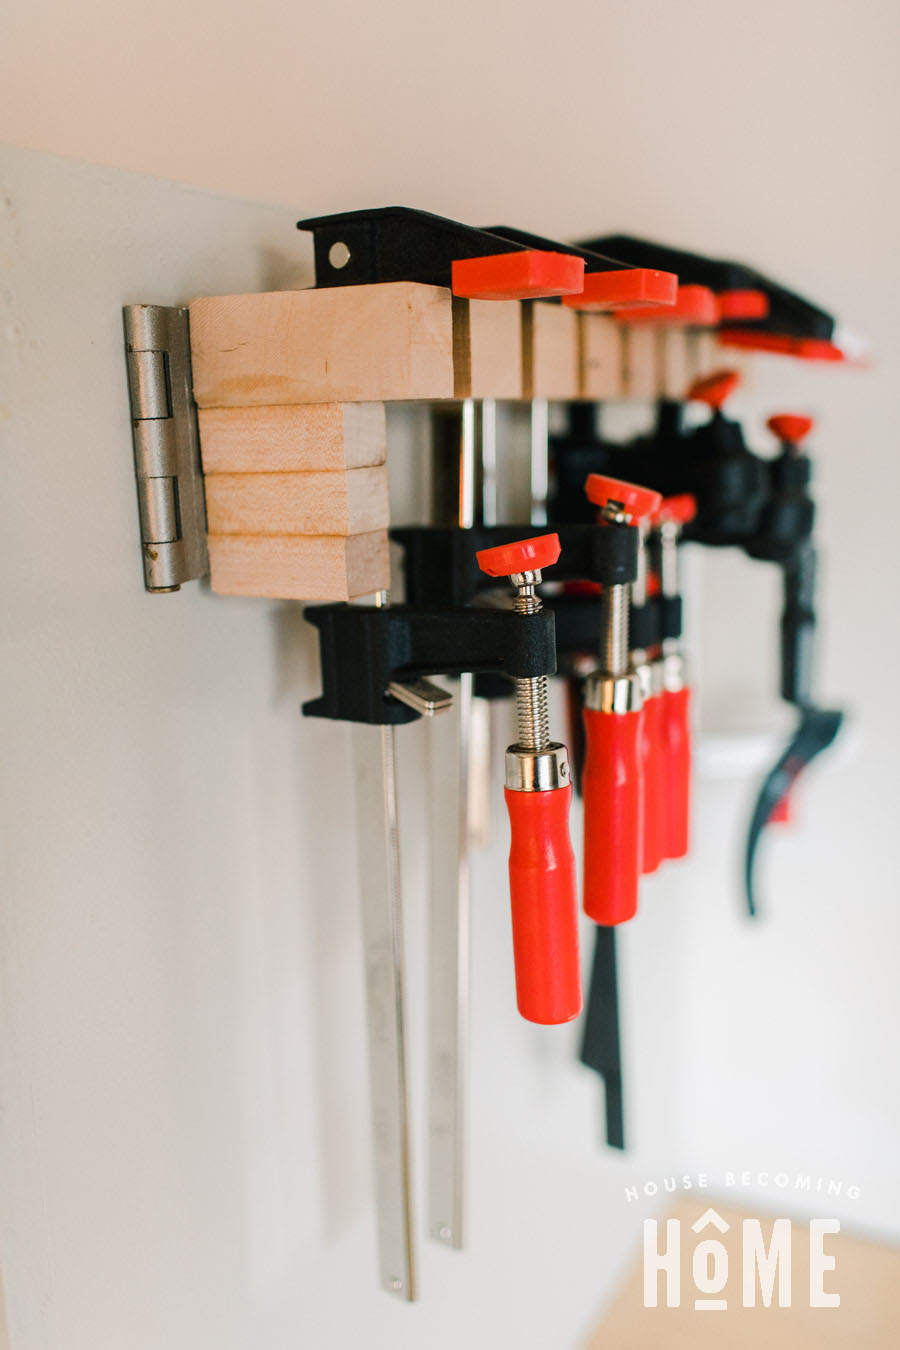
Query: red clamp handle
x=610 y=786
x=653 y=785
x=676 y=755
x=544 y=898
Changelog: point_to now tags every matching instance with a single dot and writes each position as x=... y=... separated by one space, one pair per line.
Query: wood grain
x=550 y=351
x=355 y=502
x=487 y=348
x=300 y=567
x=292 y=438
x=639 y=346
x=345 y=344
x=672 y=363
x=600 y=357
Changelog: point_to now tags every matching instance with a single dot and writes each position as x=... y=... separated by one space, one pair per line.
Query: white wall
x=183 y=1140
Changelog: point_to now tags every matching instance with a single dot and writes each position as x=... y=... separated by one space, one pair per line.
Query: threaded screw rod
x=532 y=713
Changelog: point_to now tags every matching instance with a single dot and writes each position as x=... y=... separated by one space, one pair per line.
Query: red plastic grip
x=630 y=286
x=544 y=897
x=652 y=785
x=676 y=742
x=526 y=274
x=694 y=305
x=610 y=787
x=783 y=344
x=742 y=304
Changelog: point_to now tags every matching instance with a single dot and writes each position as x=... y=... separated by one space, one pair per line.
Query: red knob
x=544 y=898
x=610 y=786
x=714 y=389
x=680 y=509
x=653 y=785
x=676 y=743
x=525 y=555
x=637 y=502
x=791 y=428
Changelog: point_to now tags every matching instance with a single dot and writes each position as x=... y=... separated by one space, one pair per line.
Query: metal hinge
x=166 y=446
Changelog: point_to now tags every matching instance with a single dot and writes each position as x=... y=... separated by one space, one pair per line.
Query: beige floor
x=866 y=1275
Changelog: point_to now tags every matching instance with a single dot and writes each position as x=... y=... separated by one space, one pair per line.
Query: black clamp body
x=441 y=568
x=730 y=484
x=594 y=260
x=789 y=314
x=645 y=626
x=395 y=243
x=363 y=649
x=788 y=516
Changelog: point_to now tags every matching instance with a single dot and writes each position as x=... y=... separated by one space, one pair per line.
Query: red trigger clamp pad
x=694 y=306
x=642 y=287
x=526 y=274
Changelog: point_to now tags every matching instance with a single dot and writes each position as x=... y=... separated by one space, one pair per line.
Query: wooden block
x=293 y=438
x=672 y=363
x=487 y=348
x=705 y=355
x=344 y=344
x=601 y=357
x=354 y=502
x=300 y=567
x=550 y=355
x=639 y=345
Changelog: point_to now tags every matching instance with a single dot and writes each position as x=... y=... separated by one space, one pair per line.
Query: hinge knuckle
x=155 y=451
x=159 y=510
x=164 y=565
x=166 y=446
x=148 y=385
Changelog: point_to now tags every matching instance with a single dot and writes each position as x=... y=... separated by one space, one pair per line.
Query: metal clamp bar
x=382 y=930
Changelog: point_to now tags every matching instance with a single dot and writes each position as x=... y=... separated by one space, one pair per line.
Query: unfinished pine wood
x=487 y=348
x=672 y=362
x=344 y=344
x=295 y=438
x=550 y=351
x=639 y=345
x=705 y=355
x=600 y=357
x=354 y=502
x=300 y=567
